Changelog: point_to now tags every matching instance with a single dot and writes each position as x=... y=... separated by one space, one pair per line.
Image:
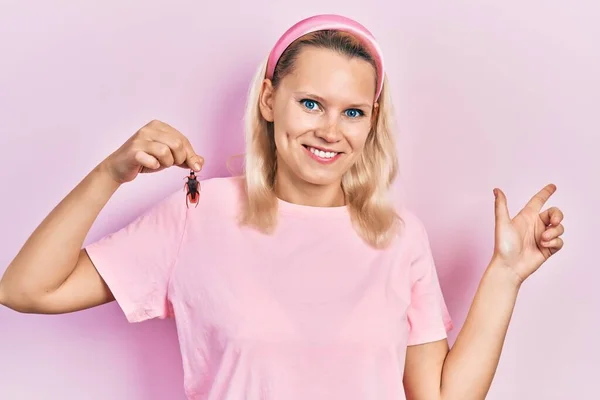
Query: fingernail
x=197 y=167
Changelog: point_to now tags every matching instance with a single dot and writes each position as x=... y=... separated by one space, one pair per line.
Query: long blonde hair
x=366 y=185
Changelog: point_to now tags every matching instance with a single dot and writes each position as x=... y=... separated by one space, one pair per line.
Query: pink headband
x=323 y=22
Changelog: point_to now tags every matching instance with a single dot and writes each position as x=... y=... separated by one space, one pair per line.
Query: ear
x=374 y=113
x=265 y=100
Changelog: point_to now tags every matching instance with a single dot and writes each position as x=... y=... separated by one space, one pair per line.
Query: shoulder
x=215 y=193
x=227 y=184
x=222 y=190
x=220 y=195
x=412 y=228
x=415 y=238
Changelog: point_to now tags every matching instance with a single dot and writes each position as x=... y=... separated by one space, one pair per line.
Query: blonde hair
x=366 y=185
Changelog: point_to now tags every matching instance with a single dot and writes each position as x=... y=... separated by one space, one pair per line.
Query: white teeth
x=323 y=154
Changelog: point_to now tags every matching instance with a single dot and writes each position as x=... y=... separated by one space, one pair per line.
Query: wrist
x=102 y=177
x=503 y=274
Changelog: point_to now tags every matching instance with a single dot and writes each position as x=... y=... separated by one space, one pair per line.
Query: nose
x=330 y=131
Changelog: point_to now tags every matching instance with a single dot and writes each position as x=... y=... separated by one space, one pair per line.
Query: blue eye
x=353 y=113
x=310 y=104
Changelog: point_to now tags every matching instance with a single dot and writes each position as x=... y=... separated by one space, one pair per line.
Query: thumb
x=193 y=160
x=501 y=207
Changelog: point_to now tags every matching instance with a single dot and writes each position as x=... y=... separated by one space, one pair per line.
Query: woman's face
x=322 y=114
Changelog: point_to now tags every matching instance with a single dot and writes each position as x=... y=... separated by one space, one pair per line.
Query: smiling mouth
x=322 y=156
x=321 y=153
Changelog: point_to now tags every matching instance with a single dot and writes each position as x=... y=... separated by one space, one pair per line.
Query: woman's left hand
x=525 y=242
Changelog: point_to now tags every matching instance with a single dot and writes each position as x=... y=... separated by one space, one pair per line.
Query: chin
x=320 y=178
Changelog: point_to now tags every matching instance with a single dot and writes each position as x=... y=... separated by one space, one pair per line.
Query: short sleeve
x=136 y=261
x=428 y=316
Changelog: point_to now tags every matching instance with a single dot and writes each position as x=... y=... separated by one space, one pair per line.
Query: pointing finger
x=541 y=197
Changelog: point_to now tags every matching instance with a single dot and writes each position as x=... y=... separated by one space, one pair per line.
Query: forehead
x=331 y=74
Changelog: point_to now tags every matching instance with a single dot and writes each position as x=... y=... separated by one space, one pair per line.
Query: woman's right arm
x=52 y=274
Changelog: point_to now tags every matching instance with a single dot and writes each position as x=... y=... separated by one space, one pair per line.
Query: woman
x=300 y=279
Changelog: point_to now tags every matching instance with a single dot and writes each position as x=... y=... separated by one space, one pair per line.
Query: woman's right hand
x=52 y=273
x=154 y=147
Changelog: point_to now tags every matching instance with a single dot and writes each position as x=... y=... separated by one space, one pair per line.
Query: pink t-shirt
x=309 y=312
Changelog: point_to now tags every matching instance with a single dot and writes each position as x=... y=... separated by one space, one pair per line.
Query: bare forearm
x=471 y=364
x=50 y=254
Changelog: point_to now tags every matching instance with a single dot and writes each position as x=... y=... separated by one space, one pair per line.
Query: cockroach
x=192 y=189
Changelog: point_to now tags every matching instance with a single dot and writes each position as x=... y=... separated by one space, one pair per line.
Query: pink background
x=487 y=93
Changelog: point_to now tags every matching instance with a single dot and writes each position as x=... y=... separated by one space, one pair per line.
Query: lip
x=320 y=160
x=321 y=148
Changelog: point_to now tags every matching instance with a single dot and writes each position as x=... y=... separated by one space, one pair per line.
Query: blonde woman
x=300 y=279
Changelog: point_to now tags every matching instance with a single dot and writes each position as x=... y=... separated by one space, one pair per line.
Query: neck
x=295 y=190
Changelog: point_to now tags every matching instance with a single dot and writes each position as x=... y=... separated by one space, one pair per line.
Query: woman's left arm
x=522 y=245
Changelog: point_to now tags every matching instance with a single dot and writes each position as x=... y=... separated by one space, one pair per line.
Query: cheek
x=291 y=122
x=356 y=135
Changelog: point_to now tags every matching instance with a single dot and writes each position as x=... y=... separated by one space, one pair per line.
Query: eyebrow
x=322 y=100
